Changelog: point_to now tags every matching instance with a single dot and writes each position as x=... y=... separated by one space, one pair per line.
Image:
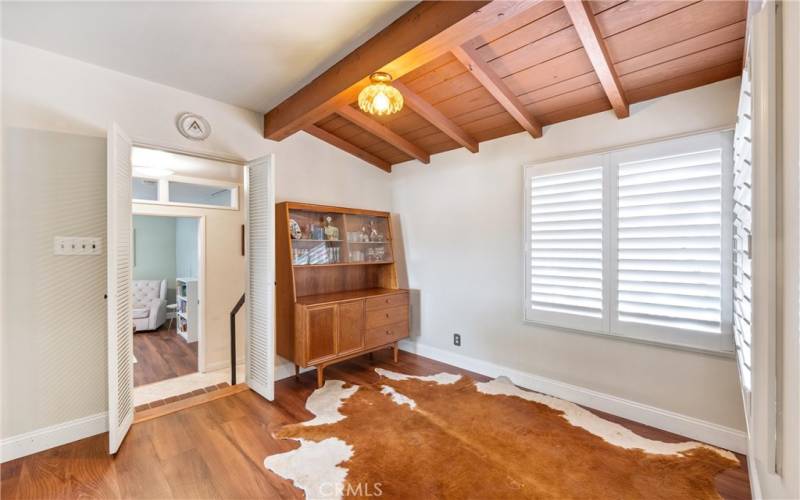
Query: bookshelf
x=186 y=313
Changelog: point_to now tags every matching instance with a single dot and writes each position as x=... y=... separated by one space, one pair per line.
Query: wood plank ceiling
x=529 y=65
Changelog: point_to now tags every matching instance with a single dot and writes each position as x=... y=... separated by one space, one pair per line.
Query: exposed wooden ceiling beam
x=427 y=31
x=435 y=117
x=499 y=90
x=585 y=24
x=354 y=150
x=383 y=132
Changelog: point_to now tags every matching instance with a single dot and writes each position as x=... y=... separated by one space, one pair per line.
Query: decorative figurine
x=331 y=231
x=294 y=229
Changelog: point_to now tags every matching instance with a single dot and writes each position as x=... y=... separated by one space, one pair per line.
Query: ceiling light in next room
x=379 y=97
x=149 y=162
x=152 y=172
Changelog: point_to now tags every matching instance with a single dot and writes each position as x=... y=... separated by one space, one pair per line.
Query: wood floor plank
x=188 y=476
x=135 y=462
x=162 y=354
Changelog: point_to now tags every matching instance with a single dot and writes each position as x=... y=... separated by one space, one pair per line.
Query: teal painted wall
x=154 y=247
x=186 y=258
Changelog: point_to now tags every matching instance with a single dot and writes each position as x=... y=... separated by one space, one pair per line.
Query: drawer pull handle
x=387 y=315
x=387 y=301
x=388 y=332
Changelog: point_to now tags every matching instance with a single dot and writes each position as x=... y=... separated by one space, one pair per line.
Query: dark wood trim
x=585 y=24
x=426 y=110
x=351 y=148
x=312 y=207
x=499 y=90
x=383 y=132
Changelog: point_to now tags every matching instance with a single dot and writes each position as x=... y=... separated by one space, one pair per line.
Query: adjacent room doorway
x=166 y=291
x=240 y=211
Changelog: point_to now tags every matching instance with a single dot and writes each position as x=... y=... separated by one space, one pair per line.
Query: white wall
x=54 y=319
x=45 y=91
x=461 y=224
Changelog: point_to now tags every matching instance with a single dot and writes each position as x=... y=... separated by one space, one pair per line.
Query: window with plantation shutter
x=669 y=241
x=635 y=242
x=565 y=258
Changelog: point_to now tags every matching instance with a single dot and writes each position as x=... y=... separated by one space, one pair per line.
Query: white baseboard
x=691 y=427
x=50 y=437
x=286 y=370
x=755 y=483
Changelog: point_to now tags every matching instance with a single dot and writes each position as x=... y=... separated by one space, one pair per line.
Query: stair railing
x=233 y=338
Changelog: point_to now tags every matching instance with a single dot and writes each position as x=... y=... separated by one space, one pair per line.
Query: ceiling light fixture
x=379 y=97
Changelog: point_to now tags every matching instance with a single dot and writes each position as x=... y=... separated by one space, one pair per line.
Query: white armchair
x=149 y=304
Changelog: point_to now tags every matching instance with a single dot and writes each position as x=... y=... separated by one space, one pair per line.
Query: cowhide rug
x=446 y=436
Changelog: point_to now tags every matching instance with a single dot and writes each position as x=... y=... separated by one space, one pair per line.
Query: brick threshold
x=162 y=407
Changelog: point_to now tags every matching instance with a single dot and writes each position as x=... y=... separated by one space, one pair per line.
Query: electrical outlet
x=457 y=339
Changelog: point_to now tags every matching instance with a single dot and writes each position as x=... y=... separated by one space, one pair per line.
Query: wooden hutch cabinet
x=337 y=294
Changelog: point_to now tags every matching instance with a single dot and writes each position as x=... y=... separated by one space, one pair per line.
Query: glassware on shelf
x=300 y=256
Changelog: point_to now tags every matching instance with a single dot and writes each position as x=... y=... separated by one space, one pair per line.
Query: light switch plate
x=76 y=245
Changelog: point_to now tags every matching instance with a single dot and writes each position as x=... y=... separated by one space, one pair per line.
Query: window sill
x=623 y=338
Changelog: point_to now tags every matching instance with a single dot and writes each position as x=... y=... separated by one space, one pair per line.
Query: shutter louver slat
x=669 y=254
x=566 y=259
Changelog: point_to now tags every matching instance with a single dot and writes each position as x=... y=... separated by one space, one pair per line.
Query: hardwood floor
x=217 y=450
x=162 y=354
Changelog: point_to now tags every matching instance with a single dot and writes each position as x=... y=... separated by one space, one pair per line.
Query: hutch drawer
x=386 y=334
x=383 y=317
x=398 y=299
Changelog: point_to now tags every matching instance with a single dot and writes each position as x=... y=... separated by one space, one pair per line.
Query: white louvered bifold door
x=564 y=254
x=120 y=321
x=670 y=251
x=260 y=299
x=742 y=236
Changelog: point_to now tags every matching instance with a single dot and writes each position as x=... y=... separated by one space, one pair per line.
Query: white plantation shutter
x=636 y=242
x=565 y=244
x=669 y=241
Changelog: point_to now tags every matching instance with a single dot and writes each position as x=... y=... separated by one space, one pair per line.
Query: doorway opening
x=186 y=227
x=166 y=309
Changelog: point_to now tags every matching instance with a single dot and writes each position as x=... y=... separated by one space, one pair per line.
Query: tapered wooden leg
x=395 y=349
x=296 y=371
x=320 y=376
x=371 y=356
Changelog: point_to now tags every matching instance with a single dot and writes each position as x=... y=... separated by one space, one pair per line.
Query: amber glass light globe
x=379 y=97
